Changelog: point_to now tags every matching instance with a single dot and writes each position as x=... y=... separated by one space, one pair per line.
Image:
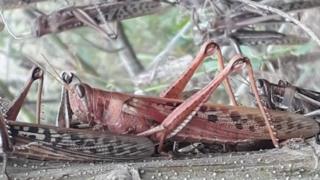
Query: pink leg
x=14 y=109
x=178 y=86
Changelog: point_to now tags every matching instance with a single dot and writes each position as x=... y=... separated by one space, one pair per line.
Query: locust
x=286 y=97
x=51 y=143
x=12 y=4
x=192 y=120
x=99 y=13
x=245 y=25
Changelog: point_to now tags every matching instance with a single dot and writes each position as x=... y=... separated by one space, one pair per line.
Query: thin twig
x=6 y=25
x=163 y=54
x=55 y=76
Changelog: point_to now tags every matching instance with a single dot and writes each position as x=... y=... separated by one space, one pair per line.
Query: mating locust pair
x=125 y=126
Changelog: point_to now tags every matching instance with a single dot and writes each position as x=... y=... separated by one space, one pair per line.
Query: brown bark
x=292 y=161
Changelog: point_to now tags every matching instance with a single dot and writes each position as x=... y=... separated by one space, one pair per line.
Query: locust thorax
x=103 y=109
x=75 y=98
x=79 y=99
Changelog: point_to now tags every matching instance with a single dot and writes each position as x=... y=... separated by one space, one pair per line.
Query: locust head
x=75 y=101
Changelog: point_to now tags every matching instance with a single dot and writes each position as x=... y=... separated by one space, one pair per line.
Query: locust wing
x=43 y=142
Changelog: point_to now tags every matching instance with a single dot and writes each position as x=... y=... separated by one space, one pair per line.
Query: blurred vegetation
x=85 y=52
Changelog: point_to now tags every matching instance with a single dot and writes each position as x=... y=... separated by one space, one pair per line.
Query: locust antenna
x=54 y=76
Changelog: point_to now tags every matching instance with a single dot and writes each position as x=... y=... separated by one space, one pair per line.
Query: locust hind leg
x=14 y=109
x=184 y=113
x=178 y=86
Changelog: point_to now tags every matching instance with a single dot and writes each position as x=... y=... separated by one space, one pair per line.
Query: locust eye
x=80 y=90
x=282 y=83
x=67 y=77
x=260 y=83
x=37 y=73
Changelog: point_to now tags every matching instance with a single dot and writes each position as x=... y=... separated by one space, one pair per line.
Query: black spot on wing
x=250 y=116
x=134 y=9
x=133 y=149
x=47 y=135
x=91 y=144
x=278 y=127
x=79 y=142
x=110 y=148
x=152 y=121
x=244 y=120
x=212 y=118
x=119 y=150
x=13 y=131
x=93 y=150
x=260 y=121
x=33 y=129
x=170 y=104
x=118 y=143
x=235 y=116
x=252 y=128
x=96 y=140
x=203 y=108
x=290 y=125
x=299 y=126
x=57 y=140
x=239 y=126
x=33 y=137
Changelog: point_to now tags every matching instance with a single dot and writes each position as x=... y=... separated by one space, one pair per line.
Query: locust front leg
x=65 y=113
x=184 y=113
x=178 y=86
x=39 y=98
x=14 y=109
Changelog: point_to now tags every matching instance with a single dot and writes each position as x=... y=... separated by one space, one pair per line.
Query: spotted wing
x=51 y=143
x=226 y=124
